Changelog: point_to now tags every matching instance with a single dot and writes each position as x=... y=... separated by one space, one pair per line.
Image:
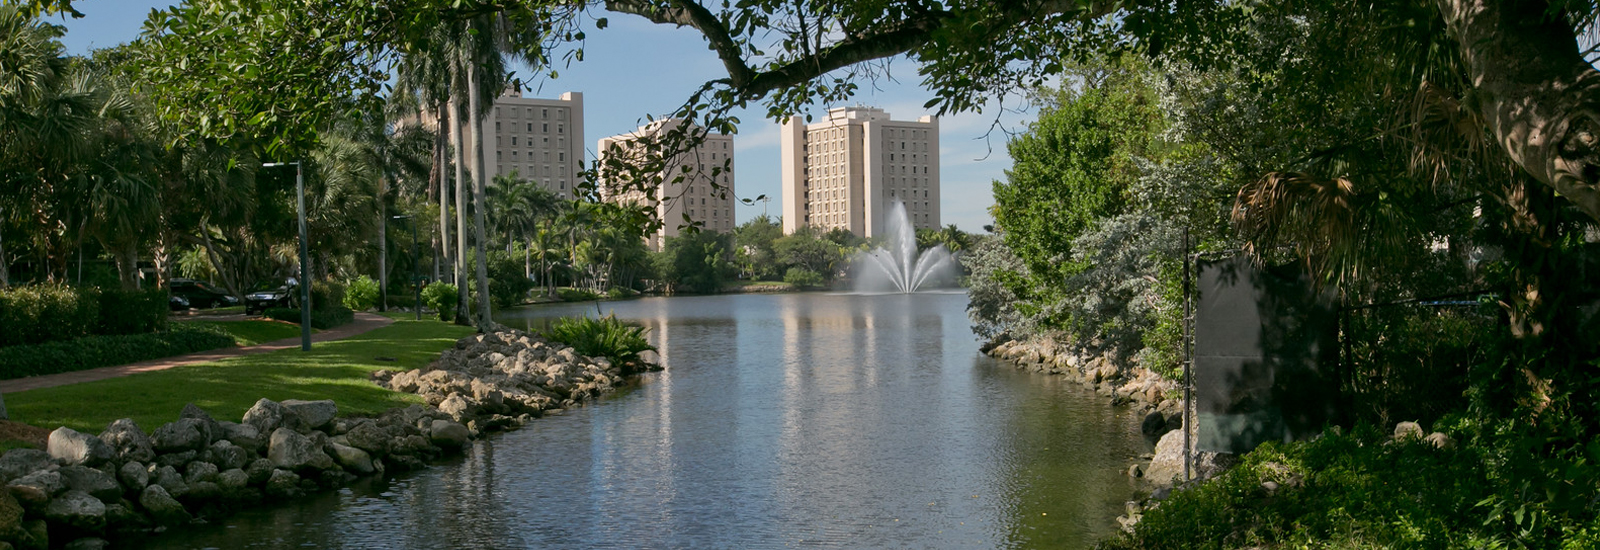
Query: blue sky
x=634 y=68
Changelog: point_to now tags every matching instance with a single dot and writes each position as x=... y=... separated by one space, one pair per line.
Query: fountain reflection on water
x=897 y=266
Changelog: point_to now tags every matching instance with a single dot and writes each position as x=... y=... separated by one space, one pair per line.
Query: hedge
x=105 y=351
x=320 y=319
x=52 y=313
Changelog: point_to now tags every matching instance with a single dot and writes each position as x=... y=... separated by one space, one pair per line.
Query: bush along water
x=441 y=298
x=602 y=337
x=361 y=293
x=104 y=351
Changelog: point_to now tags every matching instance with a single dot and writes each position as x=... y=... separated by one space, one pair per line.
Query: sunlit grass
x=250 y=333
x=336 y=370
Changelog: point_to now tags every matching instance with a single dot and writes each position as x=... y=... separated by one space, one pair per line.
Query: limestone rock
x=167 y=477
x=447 y=434
x=267 y=416
x=291 y=451
x=283 y=484
x=129 y=441
x=37 y=488
x=457 y=407
x=1407 y=430
x=210 y=427
x=245 y=436
x=259 y=470
x=71 y=447
x=183 y=434
x=99 y=484
x=1154 y=424
x=315 y=414
x=134 y=476
x=88 y=543
x=20 y=462
x=233 y=479
x=120 y=516
x=368 y=437
x=200 y=471
x=11 y=514
x=163 y=508
x=353 y=459
x=1440 y=441
x=78 y=510
x=37 y=537
x=1168 y=461
x=204 y=490
x=176 y=459
x=226 y=455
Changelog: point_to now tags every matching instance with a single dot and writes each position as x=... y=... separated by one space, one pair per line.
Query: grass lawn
x=331 y=370
x=250 y=333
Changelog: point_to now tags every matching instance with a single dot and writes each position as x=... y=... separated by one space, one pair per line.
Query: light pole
x=305 y=263
x=416 y=258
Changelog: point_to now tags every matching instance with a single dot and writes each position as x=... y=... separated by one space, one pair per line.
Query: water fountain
x=897 y=266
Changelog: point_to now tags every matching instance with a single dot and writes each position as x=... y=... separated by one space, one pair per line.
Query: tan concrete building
x=541 y=139
x=694 y=195
x=844 y=171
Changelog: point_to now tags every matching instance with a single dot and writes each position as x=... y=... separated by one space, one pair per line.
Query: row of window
x=544 y=127
x=544 y=112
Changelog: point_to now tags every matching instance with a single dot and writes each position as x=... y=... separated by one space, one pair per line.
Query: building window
x=544 y=127
x=530 y=127
x=513 y=141
x=562 y=157
x=497 y=155
x=561 y=128
x=544 y=114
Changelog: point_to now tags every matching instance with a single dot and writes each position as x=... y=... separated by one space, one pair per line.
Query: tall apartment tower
x=844 y=171
x=694 y=195
x=541 y=139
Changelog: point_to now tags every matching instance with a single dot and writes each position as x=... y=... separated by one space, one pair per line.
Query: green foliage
x=803 y=278
x=441 y=297
x=132 y=311
x=754 y=241
x=507 y=285
x=807 y=250
x=327 y=295
x=321 y=319
x=45 y=313
x=1412 y=362
x=576 y=295
x=601 y=337
x=93 y=352
x=696 y=261
x=361 y=293
x=253 y=332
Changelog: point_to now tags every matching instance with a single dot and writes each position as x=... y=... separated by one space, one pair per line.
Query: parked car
x=267 y=296
x=201 y=294
x=178 y=303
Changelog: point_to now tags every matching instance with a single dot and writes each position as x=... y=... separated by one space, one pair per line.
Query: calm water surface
x=793 y=420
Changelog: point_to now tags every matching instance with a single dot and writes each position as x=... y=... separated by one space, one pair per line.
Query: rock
x=38 y=535
x=101 y=485
x=78 y=510
x=368 y=437
x=176 y=459
x=1154 y=424
x=212 y=429
x=1407 y=430
x=245 y=436
x=457 y=407
x=233 y=479
x=267 y=416
x=291 y=451
x=20 y=462
x=259 y=470
x=1440 y=441
x=163 y=508
x=90 y=543
x=1168 y=461
x=447 y=434
x=315 y=414
x=134 y=476
x=167 y=477
x=353 y=459
x=11 y=514
x=129 y=441
x=37 y=488
x=120 y=516
x=226 y=455
x=1135 y=471
x=203 y=490
x=183 y=434
x=283 y=484
x=71 y=447
x=200 y=471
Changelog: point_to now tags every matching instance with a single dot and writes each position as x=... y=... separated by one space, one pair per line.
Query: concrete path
x=364 y=322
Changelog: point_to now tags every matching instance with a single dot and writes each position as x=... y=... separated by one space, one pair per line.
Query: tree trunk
x=216 y=261
x=459 y=261
x=440 y=164
x=5 y=264
x=479 y=193
x=1538 y=97
x=383 y=246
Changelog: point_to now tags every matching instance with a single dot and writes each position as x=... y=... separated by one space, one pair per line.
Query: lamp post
x=416 y=258
x=305 y=263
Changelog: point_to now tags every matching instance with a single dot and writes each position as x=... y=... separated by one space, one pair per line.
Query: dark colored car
x=178 y=303
x=201 y=294
x=267 y=297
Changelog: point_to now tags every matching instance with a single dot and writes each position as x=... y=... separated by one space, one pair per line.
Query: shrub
x=361 y=293
x=442 y=298
x=326 y=295
x=132 y=311
x=618 y=293
x=104 y=351
x=46 y=313
x=576 y=295
x=802 y=278
x=602 y=337
x=320 y=319
x=507 y=285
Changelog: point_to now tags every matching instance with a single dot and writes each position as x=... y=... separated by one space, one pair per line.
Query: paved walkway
x=364 y=322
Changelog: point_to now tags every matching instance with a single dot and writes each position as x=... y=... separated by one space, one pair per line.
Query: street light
x=305 y=263
x=415 y=259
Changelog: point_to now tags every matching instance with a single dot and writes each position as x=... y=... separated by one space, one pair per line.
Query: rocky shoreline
x=86 y=488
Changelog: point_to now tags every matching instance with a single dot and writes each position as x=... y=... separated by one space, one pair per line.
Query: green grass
x=250 y=333
x=335 y=370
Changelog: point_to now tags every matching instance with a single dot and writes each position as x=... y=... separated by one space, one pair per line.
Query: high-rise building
x=844 y=171
x=540 y=139
x=693 y=194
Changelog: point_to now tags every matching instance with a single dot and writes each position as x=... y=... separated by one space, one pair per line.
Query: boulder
x=1408 y=430
x=291 y=451
x=1154 y=424
x=88 y=543
x=37 y=537
x=245 y=436
x=134 y=476
x=20 y=462
x=78 y=510
x=1440 y=440
x=266 y=415
x=11 y=514
x=167 y=477
x=101 y=485
x=283 y=484
x=1168 y=461
x=183 y=434
x=204 y=490
x=129 y=441
x=37 y=488
x=226 y=455
x=121 y=516
x=213 y=429
x=176 y=459
x=457 y=407
x=163 y=508
x=368 y=437
x=315 y=414
x=447 y=434
x=233 y=479
x=71 y=447
x=353 y=459
x=259 y=470
x=200 y=471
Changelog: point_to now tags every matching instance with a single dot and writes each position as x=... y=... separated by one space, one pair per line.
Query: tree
x=699 y=261
x=804 y=249
x=754 y=240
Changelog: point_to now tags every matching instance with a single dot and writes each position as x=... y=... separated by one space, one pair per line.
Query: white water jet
x=897 y=266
